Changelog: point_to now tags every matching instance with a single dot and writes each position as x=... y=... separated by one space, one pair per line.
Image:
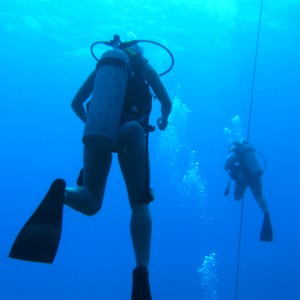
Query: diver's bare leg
x=88 y=199
x=256 y=188
x=132 y=158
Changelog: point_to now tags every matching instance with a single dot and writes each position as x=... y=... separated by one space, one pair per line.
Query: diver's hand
x=162 y=123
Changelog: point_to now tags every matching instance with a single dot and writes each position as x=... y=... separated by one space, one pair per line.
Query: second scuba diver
x=244 y=168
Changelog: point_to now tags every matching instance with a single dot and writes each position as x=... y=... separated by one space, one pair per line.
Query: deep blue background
x=44 y=59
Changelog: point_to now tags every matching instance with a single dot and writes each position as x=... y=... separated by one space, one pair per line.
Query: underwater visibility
x=149 y=150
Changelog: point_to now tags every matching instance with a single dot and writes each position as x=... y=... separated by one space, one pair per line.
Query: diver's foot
x=140 y=284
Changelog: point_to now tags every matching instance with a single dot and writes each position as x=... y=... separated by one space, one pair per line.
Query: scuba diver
x=116 y=120
x=244 y=168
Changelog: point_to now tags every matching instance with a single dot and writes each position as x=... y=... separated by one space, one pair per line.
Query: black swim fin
x=140 y=285
x=39 y=238
x=266 y=234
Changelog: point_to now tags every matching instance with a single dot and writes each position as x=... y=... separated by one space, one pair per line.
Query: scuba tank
x=105 y=107
x=248 y=156
x=103 y=117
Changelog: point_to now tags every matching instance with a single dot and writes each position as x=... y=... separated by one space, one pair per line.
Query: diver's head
x=116 y=41
x=116 y=38
x=236 y=144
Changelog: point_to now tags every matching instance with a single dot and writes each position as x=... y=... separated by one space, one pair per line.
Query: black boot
x=140 y=284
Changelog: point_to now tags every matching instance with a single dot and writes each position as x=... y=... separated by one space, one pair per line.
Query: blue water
x=44 y=59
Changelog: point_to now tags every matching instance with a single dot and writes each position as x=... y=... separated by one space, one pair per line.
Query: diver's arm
x=161 y=94
x=82 y=95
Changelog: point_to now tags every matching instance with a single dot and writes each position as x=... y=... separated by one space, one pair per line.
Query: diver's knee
x=93 y=202
x=82 y=200
x=93 y=208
